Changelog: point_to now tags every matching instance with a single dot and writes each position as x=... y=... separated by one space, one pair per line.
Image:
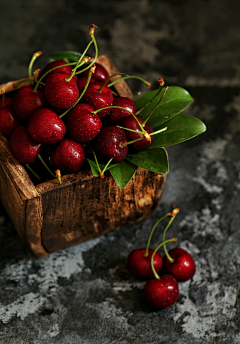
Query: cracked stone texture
x=85 y=294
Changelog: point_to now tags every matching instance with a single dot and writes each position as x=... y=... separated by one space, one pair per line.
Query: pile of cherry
x=176 y=266
x=68 y=111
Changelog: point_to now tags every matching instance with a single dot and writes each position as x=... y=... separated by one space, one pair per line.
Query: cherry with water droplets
x=26 y=102
x=107 y=144
x=83 y=125
x=139 y=265
x=23 y=147
x=98 y=99
x=117 y=114
x=68 y=155
x=67 y=69
x=183 y=268
x=61 y=94
x=161 y=293
x=8 y=120
x=100 y=74
x=46 y=127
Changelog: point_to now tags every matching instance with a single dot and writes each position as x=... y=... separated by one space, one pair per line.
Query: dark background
x=84 y=294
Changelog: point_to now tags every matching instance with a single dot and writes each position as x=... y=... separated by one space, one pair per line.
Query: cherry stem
x=33 y=59
x=108 y=79
x=105 y=167
x=122 y=144
x=150 y=236
x=172 y=215
x=96 y=160
x=149 y=102
x=134 y=97
x=130 y=77
x=162 y=244
x=58 y=175
x=151 y=112
x=158 y=131
x=3 y=98
x=45 y=165
x=82 y=94
x=34 y=173
x=20 y=82
x=49 y=71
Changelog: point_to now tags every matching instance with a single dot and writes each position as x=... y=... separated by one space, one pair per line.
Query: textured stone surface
x=85 y=294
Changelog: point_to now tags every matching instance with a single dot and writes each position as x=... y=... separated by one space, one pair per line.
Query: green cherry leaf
x=68 y=56
x=179 y=129
x=94 y=167
x=155 y=160
x=175 y=101
x=122 y=173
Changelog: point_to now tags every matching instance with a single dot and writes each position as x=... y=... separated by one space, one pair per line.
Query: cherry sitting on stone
x=83 y=125
x=45 y=126
x=68 y=155
x=27 y=101
x=108 y=144
x=66 y=68
x=182 y=267
x=117 y=114
x=23 y=147
x=59 y=92
x=8 y=120
x=98 y=98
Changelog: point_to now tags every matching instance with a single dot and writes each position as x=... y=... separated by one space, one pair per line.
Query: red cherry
x=67 y=69
x=83 y=125
x=100 y=74
x=60 y=93
x=8 y=101
x=161 y=293
x=183 y=268
x=140 y=265
x=8 y=120
x=108 y=144
x=82 y=82
x=68 y=155
x=117 y=114
x=131 y=123
x=98 y=99
x=23 y=147
x=26 y=102
x=46 y=127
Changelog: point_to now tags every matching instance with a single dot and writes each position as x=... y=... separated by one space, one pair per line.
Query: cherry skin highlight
x=83 y=125
x=68 y=155
x=8 y=120
x=100 y=74
x=61 y=94
x=26 y=102
x=131 y=123
x=23 y=147
x=45 y=126
x=98 y=99
x=183 y=268
x=107 y=144
x=161 y=293
x=117 y=114
x=67 y=69
x=140 y=266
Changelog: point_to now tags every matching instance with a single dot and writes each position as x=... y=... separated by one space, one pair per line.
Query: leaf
x=179 y=128
x=175 y=100
x=155 y=160
x=68 y=56
x=123 y=173
x=94 y=167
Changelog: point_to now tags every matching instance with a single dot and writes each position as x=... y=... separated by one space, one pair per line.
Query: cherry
x=82 y=82
x=98 y=99
x=183 y=267
x=23 y=147
x=26 y=102
x=100 y=74
x=67 y=69
x=161 y=293
x=60 y=93
x=8 y=120
x=46 y=127
x=131 y=123
x=68 y=155
x=7 y=100
x=108 y=144
x=117 y=114
x=83 y=125
x=140 y=266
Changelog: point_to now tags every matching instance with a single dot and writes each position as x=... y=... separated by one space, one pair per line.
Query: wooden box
x=50 y=217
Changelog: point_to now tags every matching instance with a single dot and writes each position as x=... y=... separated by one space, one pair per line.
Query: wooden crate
x=50 y=217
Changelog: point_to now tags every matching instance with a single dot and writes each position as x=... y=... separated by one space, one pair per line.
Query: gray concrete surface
x=85 y=294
